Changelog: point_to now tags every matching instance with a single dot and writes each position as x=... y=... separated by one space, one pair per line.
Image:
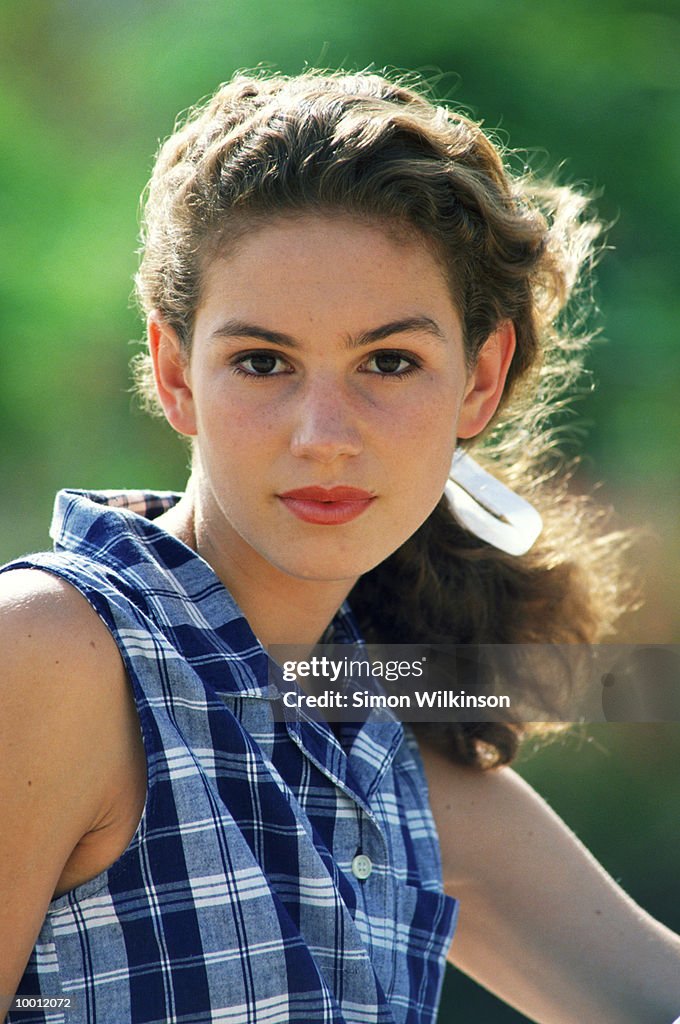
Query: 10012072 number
x=38 y=1003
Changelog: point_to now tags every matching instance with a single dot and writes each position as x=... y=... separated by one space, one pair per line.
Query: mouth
x=327 y=506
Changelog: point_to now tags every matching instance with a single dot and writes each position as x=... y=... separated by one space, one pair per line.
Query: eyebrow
x=242 y=329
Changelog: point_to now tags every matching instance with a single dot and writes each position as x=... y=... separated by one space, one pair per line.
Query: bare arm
x=541 y=923
x=60 y=698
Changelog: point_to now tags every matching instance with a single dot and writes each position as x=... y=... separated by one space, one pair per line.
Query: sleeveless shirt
x=236 y=900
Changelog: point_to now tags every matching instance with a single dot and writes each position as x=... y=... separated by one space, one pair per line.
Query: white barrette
x=489 y=509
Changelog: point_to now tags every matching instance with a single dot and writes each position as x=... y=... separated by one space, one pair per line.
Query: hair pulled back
x=513 y=249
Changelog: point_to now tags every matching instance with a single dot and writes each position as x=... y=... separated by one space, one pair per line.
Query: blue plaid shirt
x=235 y=901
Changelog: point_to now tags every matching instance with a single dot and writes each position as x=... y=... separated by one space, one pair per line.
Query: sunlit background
x=87 y=90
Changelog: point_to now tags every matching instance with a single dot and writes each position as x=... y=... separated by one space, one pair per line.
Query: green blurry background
x=88 y=88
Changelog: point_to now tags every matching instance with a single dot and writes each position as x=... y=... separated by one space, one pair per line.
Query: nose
x=325 y=426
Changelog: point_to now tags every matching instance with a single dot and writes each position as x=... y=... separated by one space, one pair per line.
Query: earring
x=489 y=509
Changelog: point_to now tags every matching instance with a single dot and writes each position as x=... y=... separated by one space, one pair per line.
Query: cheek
x=427 y=445
x=237 y=423
x=429 y=426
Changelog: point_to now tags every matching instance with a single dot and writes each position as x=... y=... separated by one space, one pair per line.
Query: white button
x=362 y=866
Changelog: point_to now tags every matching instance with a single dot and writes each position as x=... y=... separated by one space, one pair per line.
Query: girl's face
x=327 y=354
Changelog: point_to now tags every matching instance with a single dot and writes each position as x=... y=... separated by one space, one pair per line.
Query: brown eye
x=388 y=362
x=261 y=364
x=391 y=364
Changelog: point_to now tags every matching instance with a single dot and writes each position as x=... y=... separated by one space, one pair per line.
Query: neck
x=280 y=608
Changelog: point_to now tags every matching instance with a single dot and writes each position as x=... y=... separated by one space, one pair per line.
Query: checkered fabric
x=235 y=901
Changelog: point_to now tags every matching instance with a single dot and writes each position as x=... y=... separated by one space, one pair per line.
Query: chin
x=326 y=570
x=320 y=574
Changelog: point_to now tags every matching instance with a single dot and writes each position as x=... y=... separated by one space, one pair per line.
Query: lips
x=327 y=506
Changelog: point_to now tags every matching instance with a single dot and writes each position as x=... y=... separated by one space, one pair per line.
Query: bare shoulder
x=452 y=782
x=62 y=680
x=56 y=651
x=38 y=599
x=65 y=700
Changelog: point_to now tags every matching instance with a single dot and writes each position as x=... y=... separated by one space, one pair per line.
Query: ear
x=485 y=385
x=171 y=373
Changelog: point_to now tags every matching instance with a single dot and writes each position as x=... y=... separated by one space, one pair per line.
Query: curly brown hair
x=514 y=248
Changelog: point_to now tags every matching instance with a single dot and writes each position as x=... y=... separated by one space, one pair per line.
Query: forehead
x=337 y=264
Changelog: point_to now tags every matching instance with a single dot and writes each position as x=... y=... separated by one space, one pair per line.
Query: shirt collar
x=172 y=584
